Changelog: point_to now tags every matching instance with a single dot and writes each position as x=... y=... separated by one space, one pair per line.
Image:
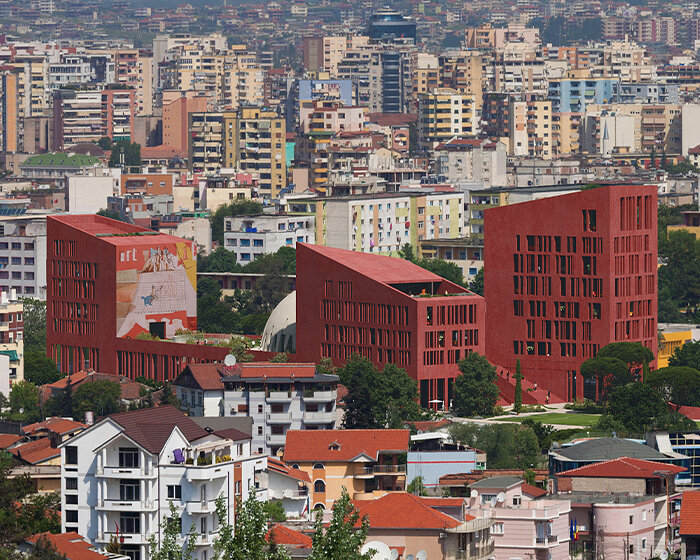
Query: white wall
x=88 y=195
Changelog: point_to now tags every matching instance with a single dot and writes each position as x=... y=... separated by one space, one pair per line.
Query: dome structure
x=280 y=333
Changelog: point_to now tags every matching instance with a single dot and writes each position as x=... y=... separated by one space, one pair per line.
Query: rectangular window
x=71 y=483
x=128 y=457
x=129 y=490
x=71 y=516
x=71 y=455
x=130 y=522
x=72 y=499
x=174 y=492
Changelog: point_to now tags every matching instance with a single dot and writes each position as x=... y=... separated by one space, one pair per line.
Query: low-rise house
x=366 y=462
x=522 y=527
x=69 y=545
x=249 y=237
x=120 y=476
x=288 y=486
x=626 y=497
x=277 y=396
x=438 y=526
x=298 y=544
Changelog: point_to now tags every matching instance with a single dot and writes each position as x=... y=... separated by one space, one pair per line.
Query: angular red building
x=388 y=310
x=107 y=283
x=566 y=275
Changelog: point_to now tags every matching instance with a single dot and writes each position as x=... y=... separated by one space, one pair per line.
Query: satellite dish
x=394 y=554
x=381 y=550
x=493 y=501
x=474 y=493
x=230 y=360
x=421 y=555
x=410 y=557
x=664 y=555
x=501 y=497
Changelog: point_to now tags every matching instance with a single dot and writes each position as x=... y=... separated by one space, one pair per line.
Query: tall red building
x=109 y=282
x=388 y=310
x=566 y=275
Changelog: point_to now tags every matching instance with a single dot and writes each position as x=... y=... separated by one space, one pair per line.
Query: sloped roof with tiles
x=71 y=545
x=56 y=425
x=288 y=537
x=401 y=510
x=624 y=467
x=690 y=513
x=280 y=468
x=342 y=445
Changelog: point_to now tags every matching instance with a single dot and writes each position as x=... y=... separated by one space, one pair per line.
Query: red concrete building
x=109 y=282
x=388 y=310
x=566 y=275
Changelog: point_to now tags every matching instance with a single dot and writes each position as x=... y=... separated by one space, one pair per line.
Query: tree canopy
x=507 y=445
x=171 y=529
x=477 y=283
x=607 y=372
x=679 y=276
x=23 y=403
x=687 y=355
x=34 y=317
x=634 y=354
x=101 y=397
x=678 y=384
x=243 y=207
x=376 y=398
x=39 y=369
x=131 y=151
x=475 y=389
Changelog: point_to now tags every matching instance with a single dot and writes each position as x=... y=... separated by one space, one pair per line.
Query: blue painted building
x=572 y=95
x=310 y=90
x=431 y=465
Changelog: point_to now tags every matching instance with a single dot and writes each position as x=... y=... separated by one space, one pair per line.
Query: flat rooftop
x=113 y=231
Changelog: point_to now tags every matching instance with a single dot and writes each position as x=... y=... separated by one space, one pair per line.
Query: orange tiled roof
x=690 y=513
x=289 y=537
x=71 y=545
x=401 y=510
x=532 y=491
x=280 y=467
x=623 y=467
x=36 y=451
x=8 y=439
x=341 y=445
x=55 y=424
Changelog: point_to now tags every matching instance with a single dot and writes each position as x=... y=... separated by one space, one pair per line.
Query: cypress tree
x=518 y=400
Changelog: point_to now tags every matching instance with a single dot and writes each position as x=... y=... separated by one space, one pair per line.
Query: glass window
x=71 y=516
x=130 y=522
x=174 y=492
x=128 y=457
x=129 y=490
x=71 y=455
x=71 y=483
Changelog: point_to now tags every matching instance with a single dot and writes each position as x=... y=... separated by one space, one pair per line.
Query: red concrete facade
x=85 y=256
x=566 y=275
x=388 y=310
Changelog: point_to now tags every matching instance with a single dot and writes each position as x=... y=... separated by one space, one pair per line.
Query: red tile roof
x=427 y=425
x=623 y=467
x=56 y=425
x=8 y=439
x=328 y=446
x=690 y=513
x=266 y=369
x=401 y=510
x=35 y=452
x=208 y=376
x=289 y=537
x=71 y=545
x=279 y=467
x=532 y=491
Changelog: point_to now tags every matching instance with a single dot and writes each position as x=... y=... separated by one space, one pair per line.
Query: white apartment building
x=121 y=475
x=23 y=255
x=11 y=341
x=252 y=236
x=278 y=397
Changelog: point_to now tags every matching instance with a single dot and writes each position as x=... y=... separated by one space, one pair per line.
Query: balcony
x=385 y=469
x=200 y=507
x=126 y=538
x=125 y=505
x=279 y=418
x=319 y=417
x=319 y=396
x=546 y=542
x=275 y=439
x=475 y=552
x=206 y=539
x=279 y=397
x=124 y=472
x=204 y=473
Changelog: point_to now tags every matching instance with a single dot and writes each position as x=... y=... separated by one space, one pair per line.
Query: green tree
x=219 y=260
x=377 y=398
x=475 y=389
x=23 y=403
x=62 y=403
x=518 y=397
x=679 y=277
x=34 y=317
x=274 y=511
x=687 y=355
x=608 y=373
x=448 y=270
x=131 y=154
x=100 y=397
x=477 y=283
x=240 y=347
x=244 y=207
x=105 y=143
x=542 y=432
x=213 y=315
x=246 y=539
x=417 y=487
x=39 y=369
x=107 y=213
x=283 y=261
x=168 y=397
x=342 y=538
x=678 y=384
x=280 y=358
x=171 y=529
x=634 y=354
x=636 y=406
x=507 y=445
x=406 y=252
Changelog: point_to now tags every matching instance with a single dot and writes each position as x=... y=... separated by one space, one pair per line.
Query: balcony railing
x=384 y=469
x=474 y=552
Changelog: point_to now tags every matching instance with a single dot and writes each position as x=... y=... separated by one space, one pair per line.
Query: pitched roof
x=151 y=427
x=71 y=545
x=690 y=513
x=36 y=451
x=319 y=445
x=288 y=537
x=624 y=467
x=496 y=482
x=60 y=160
x=401 y=510
x=56 y=425
x=8 y=439
x=605 y=449
x=210 y=377
x=280 y=468
x=532 y=491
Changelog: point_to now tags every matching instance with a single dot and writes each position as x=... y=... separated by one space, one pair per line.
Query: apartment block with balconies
x=119 y=477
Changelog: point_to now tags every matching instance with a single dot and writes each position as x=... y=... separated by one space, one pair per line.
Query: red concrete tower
x=566 y=275
x=388 y=310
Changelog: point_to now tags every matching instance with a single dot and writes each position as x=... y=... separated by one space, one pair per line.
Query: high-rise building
x=9 y=112
x=444 y=114
x=389 y=24
x=567 y=275
x=389 y=311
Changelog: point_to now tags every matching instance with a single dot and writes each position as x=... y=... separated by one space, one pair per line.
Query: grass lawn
x=571 y=419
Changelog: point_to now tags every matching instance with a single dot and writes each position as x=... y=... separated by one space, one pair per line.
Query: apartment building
x=133 y=69
x=365 y=462
x=249 y=237
x=530 y=132
x=176 y=107
x=119 y=477
x=11 y=129
x=205 y=141
x=573 y=95
x=584 y=281
x=23 y=255
x=522 y=527
x=466 y=160
x=443 y=114
x=278 y=397
x=11 y=341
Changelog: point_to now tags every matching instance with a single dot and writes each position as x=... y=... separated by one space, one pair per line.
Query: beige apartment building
x=530 y=121
x=445 y=113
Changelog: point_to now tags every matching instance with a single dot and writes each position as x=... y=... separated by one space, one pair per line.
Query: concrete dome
x=280 y=333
